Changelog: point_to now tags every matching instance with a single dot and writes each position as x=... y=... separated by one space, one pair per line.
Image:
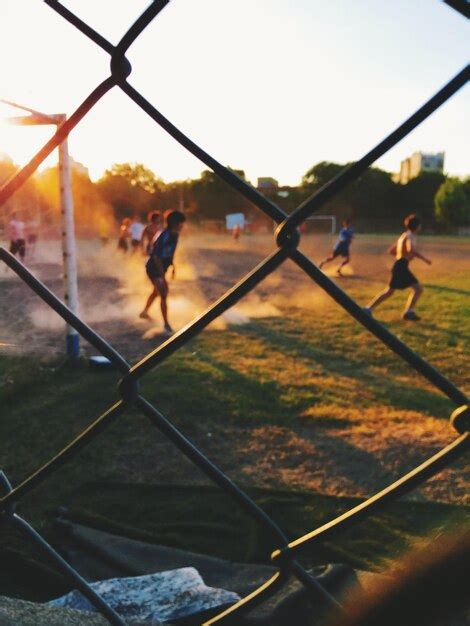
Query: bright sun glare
x=267 y=87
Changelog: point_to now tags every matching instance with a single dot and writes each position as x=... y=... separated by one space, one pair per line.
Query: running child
x=405 y=250
x=124 y=234
x=16 y=232
x=345 y=237
x=161 y=257
x=136 y=230
x=151 y=231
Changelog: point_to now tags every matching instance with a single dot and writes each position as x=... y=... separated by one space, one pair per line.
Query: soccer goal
x=329 y=222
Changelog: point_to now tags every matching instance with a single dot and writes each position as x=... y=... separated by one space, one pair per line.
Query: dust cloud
x=113 y=286
x=186 y=300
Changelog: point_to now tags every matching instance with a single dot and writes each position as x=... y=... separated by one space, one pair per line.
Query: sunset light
x=266 y=86
x=234 y=321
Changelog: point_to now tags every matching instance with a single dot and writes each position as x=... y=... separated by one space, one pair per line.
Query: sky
x=268 y=86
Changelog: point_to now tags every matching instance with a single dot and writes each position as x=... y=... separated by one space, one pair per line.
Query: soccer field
x=287 y=392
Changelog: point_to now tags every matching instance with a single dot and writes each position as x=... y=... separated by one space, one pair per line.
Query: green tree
x=213 y=198
x=177 y=195
x=373 y=194
x=320 y=174
x=452 y=202
x=287 y=198
x=418 y=195
x=130 y=188
x=137 y=175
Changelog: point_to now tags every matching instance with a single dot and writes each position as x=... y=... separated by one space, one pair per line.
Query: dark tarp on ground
x=98 y=555
x=199 y=518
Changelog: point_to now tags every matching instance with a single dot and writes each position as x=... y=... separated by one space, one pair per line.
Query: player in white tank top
x=405 y=250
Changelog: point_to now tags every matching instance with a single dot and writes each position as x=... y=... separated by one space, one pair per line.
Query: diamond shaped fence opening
x=287 y=240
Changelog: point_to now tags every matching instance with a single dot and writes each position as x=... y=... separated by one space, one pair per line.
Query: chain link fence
x=284 y=553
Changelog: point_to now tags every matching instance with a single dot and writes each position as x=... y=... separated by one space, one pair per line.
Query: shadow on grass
x=452 y=336
x=251 y=402
x=386 y=391
x=165 y=514
x=445 y=289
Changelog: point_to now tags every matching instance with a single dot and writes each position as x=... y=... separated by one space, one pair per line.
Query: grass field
x=286 y=394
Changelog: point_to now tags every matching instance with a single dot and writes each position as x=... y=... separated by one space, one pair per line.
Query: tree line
x=438 y=199
x=128 y=189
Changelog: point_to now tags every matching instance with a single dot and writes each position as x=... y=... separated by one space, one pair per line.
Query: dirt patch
x=352 y=453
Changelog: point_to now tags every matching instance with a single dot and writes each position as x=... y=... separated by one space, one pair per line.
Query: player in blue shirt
x=161 y=257
x=346 y=235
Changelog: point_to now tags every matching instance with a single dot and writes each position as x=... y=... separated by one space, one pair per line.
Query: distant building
x=267 y=183
x=417 y=163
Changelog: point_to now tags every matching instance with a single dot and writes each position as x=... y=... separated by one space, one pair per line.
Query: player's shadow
x=444 y=289
x=453 y=335
x=396 y=394
x=293 y=444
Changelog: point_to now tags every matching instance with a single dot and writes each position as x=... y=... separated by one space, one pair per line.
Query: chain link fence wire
x=287 y=239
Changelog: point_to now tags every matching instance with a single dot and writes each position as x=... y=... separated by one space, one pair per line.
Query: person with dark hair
x=16 y=231
x=161 y=257
x=404 y=250
x=341 y=248
x=136 y=230
x=124 y=235
x=151 y=231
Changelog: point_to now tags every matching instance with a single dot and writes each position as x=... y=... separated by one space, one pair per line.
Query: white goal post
x=331 y=218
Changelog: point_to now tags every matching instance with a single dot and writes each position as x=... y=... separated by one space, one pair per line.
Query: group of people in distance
x=157 y=241
x=130 y=231
x=161 y=246
x=404 y=250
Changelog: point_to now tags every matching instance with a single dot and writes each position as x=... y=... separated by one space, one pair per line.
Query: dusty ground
x=363 y=450
x=113 y=288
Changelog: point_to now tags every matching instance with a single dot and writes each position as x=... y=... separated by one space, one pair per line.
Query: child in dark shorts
x=124 y=235
x=16 y=229
x=405 y=250
x=18 y=247
x=151 y=231
x=341 y=248
x=161 y=257
x=401 y=277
